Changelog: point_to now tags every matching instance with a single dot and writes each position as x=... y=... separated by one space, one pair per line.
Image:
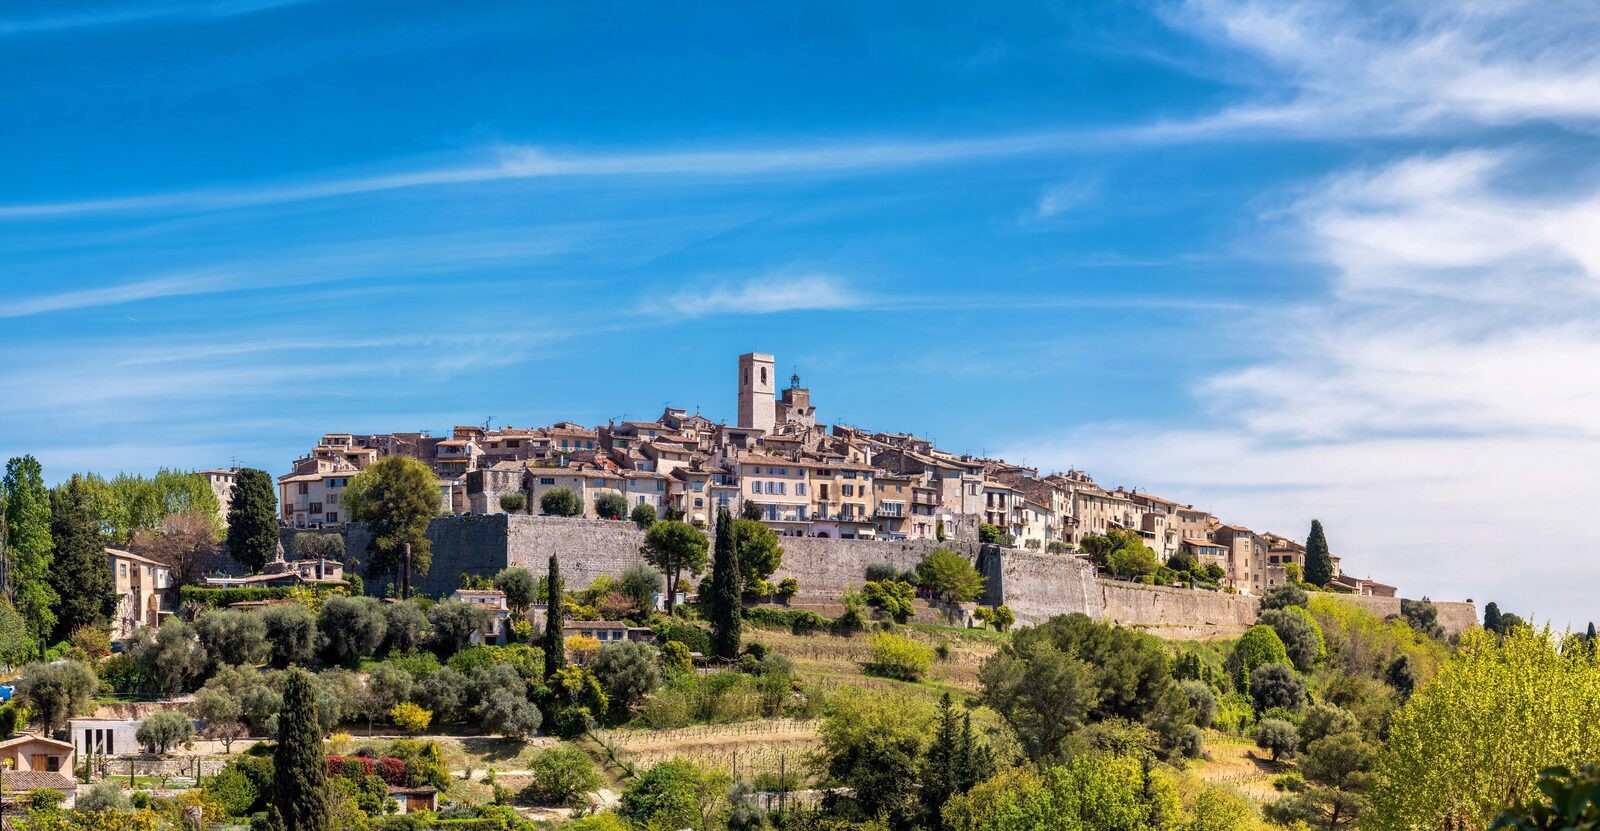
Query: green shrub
x=561 y=776
x=897 y=656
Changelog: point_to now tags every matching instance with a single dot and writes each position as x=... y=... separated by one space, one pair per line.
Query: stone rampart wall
x=1035 y=585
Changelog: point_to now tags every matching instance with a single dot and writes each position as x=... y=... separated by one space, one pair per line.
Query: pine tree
x=725 y=590
x=1491 y=617
x=252 y=519
x=29 y=550
x=977 y=760
x=1319 y=562
x=300 y=770
x=81 y=575
x=554 y=643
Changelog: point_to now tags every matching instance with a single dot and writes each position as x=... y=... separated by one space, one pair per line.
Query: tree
x=1319 y=561
x=674 y=547
x=1491 y=617
x=1276 y=685
x=1004 y=618
x=81 y=573
x=352 y=628
x=232 y=636
x=309 y=545
x=252 y=519
x=104 y=797
x=949 y=576
x=1302 y=638
x=677 y=794
x=299 y=782
x=1202 y=699
x=759 y=553
x=1277 y=737
x=1052 y=679
x=396 y=496
x=555 y=650
x=1089 y=793
x=223 y=716
x=562 y=775
x=560 y=502
x=26 y=544
x=640 y=584
x=405 y=627
x=643 y=515
x=1323 y=720
x=510 y=714
x=954 y=762
x=725 y=591
x=1132 y=559
x=291 y=634
x=627 y=671
x=16 y=642
x=891 y=598
x=163 y=730
x=1336 y=768
x=1259 y=645
x=1402 y=676
x=872 y=743
x=610 y=505
x=520 y=586
x=514 y=503
x=184 y=541
x=57 y=691
x=171 y=658
x=751 y=510
x=1573 y=803
x=1476 y=736
x=409 y=717
x=451 y=624
x=1423 y=617
x=1280 y=597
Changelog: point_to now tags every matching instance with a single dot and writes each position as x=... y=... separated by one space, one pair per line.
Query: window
x=800 y=489
x=122 y=569
x=305 y=487
x=316 y=508
x=641 y=499
x=547 y=480
x=755 y=487
x=763 y=376
x=597 y=483
x=848 y=490
x=700 y=503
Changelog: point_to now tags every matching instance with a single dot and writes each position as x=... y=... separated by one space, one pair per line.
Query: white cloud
x=765 y=295
x=1064 y=196
x=134 y=14
x=1405 y=66
x=1436 y=409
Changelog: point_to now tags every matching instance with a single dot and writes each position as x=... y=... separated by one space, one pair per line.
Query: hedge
x=218 y=598
x=798 y=621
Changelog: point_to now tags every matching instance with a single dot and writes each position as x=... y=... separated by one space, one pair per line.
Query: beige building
x=844 y=501
x=221 y=481
x=143 y=587
x=757 y=387
x=782 y=487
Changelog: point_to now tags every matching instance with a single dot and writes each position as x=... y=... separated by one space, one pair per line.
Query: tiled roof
x=33 y=780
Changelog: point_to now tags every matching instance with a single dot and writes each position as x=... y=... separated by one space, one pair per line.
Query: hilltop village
x=806 y=478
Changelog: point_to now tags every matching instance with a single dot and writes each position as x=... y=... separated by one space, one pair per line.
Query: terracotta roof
x=26 y=738
x=129 y=555
x=34 y=780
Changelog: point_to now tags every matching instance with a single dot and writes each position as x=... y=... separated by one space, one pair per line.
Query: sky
x=1279 y=260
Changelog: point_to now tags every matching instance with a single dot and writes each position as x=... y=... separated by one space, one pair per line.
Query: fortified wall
x=1034 y=585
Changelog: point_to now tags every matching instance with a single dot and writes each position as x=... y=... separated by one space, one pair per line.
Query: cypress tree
x=942 y=767
x=252 y=519
x=28 y=548
x=1319 y=562
x=300 y=770
x=1491 y=617
x=725 y=590
x=554 y=643
x=82 y=573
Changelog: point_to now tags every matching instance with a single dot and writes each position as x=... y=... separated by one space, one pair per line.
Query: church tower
x=756 y=391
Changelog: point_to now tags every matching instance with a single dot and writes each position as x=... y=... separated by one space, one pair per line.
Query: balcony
x=891 y=510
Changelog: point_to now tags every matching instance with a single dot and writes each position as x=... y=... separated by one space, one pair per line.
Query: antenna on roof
x=233 y=462
x=487 y=421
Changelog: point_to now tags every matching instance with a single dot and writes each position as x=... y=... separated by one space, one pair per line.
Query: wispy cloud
x=521 y=162
x=132 y=13
x=170 y=286
x=1065 y=196
x=1338 y=68
x=764 y=295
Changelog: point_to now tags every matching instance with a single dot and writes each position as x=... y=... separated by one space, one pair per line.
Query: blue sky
x=1282 y=260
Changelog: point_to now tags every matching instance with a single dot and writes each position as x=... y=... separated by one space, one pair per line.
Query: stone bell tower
x=757 y=388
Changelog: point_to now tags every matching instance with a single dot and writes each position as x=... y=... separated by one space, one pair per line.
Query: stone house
x=143 y=587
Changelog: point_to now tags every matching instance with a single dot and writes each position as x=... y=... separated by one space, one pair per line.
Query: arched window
x=763 y=376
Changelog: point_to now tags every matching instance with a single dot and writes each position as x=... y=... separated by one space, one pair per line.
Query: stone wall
x=1035 y=585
